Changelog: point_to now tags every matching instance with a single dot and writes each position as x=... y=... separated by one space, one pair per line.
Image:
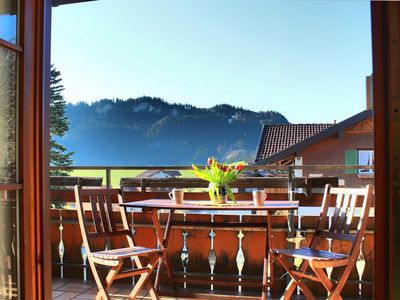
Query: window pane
x=9 y=246
x=7 y=116
x=8 y=20
x=365 y=158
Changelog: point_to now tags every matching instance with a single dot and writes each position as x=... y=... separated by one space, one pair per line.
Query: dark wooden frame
x=33 y=128
x=35 y=39
x=33 y=50
x=386 y=77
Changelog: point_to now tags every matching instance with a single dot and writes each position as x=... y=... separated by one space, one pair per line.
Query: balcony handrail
x=289 y=169
x=182 y=167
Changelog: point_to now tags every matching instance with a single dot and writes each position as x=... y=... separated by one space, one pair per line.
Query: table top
x=206 y=205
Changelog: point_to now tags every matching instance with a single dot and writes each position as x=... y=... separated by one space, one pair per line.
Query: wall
x=331 y=151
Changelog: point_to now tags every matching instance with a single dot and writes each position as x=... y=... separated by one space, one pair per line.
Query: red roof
x=276 y=138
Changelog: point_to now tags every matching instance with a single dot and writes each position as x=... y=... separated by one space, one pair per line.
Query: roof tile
x=276 y=138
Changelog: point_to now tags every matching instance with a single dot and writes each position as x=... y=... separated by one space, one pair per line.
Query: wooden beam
x=64 y=2
x=386 y=90
x=34 y=91
x=241 y=182
x=10 y=46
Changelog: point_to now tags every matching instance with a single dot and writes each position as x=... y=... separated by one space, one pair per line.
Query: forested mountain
x=150 y=131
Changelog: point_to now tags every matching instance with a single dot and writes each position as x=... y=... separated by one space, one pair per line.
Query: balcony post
x=108 y=178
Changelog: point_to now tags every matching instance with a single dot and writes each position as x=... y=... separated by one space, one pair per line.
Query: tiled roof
x=276 y=138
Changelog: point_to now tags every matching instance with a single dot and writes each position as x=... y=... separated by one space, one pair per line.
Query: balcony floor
x=75 y=289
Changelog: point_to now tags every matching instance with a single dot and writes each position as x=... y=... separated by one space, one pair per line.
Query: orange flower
x=239 y=167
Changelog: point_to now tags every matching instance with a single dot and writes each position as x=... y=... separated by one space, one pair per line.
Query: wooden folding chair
x=315 y=261
x=103 y=222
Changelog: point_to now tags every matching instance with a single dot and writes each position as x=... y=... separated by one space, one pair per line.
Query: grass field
x=116 y=175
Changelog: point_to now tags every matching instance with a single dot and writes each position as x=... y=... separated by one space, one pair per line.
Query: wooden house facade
x=349 y=142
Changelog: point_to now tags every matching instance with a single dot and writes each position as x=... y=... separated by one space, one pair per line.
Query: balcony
x=204 y=266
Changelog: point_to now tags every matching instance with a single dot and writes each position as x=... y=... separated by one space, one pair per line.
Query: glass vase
x=218 y=194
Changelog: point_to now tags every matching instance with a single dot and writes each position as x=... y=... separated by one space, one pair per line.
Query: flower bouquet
x=219 y=175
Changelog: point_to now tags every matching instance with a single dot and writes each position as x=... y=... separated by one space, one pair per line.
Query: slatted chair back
x=103 y=219
x=349 y=202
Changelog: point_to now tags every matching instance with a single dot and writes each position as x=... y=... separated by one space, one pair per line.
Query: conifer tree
x=59 y=124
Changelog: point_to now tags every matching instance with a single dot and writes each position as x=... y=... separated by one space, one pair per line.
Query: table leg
x=163 y=244
x=267 y=266
x=271 y=258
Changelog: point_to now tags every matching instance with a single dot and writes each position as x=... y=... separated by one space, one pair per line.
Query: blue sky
x=306 y=59
x=8 y=27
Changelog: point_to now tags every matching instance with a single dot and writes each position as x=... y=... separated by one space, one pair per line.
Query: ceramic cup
x=177 y=196
x=259 y=197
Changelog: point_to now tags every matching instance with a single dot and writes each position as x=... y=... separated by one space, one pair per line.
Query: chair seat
x=311 y=254
x=120 y=253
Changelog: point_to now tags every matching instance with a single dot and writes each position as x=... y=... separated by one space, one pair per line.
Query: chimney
x=370 y=95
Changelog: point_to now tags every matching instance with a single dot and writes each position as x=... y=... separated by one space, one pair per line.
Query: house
x=159 y=174
x=349 y=142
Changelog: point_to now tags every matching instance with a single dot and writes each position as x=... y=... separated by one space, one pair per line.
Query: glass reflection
x=9 y=246
x=8 y=20
x=8 y=134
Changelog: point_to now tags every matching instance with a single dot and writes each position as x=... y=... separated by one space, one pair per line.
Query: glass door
x=9 y=177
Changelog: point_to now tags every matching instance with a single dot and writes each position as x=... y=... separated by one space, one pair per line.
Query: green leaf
x=211 y=189
x=230 y=194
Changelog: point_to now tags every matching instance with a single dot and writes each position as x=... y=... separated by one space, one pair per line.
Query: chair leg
x=169 y=271
x=335 y=297
x=152 y=292
x=335 y=294
x=295 y=281
x=102 y=293
x=139 y=264
x=291 y=287
x=326 y=282
x=110 y=278
x=112 y=273
x=143 y=278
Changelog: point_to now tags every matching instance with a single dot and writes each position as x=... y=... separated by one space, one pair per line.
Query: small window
x=366 y=158
x=8 y=21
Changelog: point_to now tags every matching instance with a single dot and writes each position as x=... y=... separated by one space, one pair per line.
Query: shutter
x=351 y=158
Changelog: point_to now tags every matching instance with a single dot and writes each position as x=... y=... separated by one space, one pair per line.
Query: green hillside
x=151 y=131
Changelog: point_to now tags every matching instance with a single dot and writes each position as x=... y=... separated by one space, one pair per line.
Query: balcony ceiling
x=63 y=2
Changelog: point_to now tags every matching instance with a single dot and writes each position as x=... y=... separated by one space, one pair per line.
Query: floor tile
x=56 y=293
x=66 y=296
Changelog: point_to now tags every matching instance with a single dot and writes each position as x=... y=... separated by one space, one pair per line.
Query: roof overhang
x=63 y=2
x=8 y=8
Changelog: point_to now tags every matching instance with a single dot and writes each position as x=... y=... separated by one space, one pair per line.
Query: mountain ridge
x=151 y=131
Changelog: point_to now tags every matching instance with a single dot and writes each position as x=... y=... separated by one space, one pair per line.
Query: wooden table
x=153 y=205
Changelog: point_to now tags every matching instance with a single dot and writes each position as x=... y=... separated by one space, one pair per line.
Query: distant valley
x=151 y=131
